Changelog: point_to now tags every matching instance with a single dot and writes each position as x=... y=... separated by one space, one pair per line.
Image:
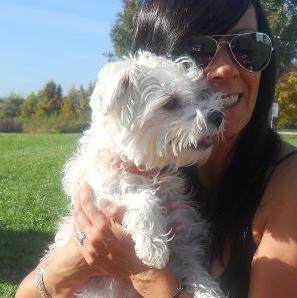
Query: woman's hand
x=109 y=250
x=106 y=248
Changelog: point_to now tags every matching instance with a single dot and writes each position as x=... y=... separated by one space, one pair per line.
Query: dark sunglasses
x=251 y=51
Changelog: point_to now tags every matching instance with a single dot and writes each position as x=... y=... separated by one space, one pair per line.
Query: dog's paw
x=153 y=253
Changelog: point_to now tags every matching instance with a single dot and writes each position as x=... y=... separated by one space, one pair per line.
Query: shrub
x=54 y=124
x=10 y=125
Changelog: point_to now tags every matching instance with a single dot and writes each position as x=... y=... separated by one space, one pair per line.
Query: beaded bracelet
x=40 y=283
x=179 y=289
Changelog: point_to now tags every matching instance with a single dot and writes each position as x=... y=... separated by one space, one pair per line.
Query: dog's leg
x=188 y=255
x=147 y=226
x=200 y=284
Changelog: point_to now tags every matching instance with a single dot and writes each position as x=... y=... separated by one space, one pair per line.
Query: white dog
x=150 y=116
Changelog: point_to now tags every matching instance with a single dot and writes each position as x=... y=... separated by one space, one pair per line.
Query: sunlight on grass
x=292 y=139
x=31 y=200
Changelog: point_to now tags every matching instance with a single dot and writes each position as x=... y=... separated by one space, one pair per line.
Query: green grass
x=31 y=200
x=292 y=139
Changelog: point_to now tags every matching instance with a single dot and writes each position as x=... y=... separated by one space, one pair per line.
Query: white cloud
x=55 y=19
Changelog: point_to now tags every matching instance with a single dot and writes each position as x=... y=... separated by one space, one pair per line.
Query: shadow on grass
x=20 y=252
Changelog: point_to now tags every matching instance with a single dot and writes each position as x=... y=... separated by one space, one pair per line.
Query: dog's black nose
x=215 y=118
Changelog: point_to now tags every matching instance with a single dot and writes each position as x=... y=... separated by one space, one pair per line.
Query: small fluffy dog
x=150 y=117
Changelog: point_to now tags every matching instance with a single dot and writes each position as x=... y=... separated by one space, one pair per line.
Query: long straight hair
x=163 y=27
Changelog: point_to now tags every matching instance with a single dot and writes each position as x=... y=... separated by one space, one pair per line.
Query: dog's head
x=158 y=112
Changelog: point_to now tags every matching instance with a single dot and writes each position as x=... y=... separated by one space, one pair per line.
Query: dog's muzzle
x=215 y=118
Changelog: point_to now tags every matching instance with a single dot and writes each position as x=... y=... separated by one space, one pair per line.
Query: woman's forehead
x=248 y=22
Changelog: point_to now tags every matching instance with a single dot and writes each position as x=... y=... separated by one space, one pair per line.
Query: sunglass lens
x=202 y=50
x=252 y=51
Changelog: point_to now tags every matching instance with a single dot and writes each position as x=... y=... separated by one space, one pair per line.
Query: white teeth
x=230 y=100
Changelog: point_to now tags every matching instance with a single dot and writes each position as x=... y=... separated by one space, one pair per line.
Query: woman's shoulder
x=275 y=232
x=280 y=196
x=282 y=184
x=278 y=206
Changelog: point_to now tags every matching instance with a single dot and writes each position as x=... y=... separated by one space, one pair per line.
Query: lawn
x=31 y=199
x=292 y=139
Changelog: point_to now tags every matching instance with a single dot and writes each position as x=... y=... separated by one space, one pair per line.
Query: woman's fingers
x=80 y=218
x=87 y=205
x=113 y=211
x=95 y=211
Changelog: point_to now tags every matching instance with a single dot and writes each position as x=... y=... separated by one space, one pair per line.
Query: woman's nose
x=223 y=67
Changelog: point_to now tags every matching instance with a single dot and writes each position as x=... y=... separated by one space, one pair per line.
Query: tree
x=75 y=105
x=286 y=94
x=50 y=100
x=58 y=98
x=84 y=110
x=10 y=106
x=28 y=106
x=122 y=30
x=70 y=104
x=281 y=15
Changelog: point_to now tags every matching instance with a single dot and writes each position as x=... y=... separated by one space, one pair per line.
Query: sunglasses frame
x=232 y=55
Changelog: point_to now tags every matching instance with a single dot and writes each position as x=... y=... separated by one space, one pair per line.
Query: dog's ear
x=121 y=97
x=114 y=92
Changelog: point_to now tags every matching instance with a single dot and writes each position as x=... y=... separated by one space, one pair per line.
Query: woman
x=247 y=190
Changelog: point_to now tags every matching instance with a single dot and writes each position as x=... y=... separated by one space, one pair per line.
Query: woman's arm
x=274 y=266
x=157 y=283
x=66 y=272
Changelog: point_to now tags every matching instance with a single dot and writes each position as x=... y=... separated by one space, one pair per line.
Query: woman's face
x=228 y=77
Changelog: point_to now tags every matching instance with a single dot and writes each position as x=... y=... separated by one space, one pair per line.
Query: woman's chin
x=236 y=118
x=232 y=128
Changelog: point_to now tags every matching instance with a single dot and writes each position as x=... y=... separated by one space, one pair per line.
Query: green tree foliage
x=58 y=98
x=286 y=94
x=50 y=100
x=9 y=110
x=84 y=110
x=48 y=110
x=70 y=104
x=281 y=14
x=121 y=33
x=75 y=104
x=28 y=106
x=10 y=106
x=282 y=17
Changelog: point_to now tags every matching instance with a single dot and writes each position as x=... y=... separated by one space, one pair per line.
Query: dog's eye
x=171 y=104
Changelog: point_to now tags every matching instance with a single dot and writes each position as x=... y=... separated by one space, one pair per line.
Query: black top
x=235 y=278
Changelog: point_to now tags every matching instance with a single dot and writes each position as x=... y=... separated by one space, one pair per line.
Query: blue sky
x=63 y=40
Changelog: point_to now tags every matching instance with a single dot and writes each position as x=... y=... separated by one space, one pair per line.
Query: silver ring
x=80 y=236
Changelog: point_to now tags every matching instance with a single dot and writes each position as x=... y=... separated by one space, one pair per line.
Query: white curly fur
x=150 y=112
